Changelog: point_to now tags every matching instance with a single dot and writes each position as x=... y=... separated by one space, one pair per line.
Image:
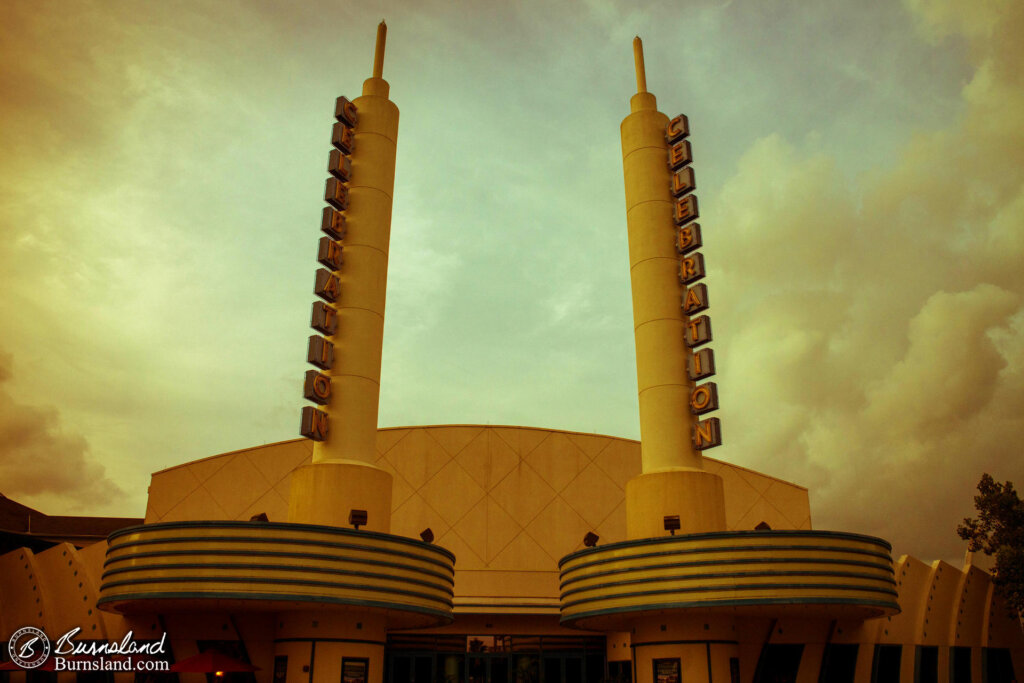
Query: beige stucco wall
x=508 y=501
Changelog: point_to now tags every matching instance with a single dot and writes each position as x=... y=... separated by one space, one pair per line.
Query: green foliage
x=999 y=531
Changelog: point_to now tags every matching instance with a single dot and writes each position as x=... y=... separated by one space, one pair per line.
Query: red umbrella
x=11 y=666
x=211 y=662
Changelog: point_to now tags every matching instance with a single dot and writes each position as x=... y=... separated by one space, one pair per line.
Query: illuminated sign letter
x=707 y=434
x=339 y=166
x=336 y=194
x=691 y=268
x=333 y=223
x=327 y=285
x=343 y=137
x=317 y=387
x=679 y=155
x=345 y=111
x=314 y=424
x=686 y=209
x=703 y=399
x=696 y=299
x=689 y=238
x=683 y=182
x=320 y=352
x=701 y=364
x=325 y=318
x=677 y=129
x=698 y=331
x=329 y=253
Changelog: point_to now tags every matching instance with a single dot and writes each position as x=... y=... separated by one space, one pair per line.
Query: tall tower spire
x=659 y=215
x=349 y=316
x=638 y=62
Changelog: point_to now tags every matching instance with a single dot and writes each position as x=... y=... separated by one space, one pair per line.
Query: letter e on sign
x=343 y=137
x=686 y=209
x=679 y=155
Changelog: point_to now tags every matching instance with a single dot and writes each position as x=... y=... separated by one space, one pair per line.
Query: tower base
x=326 y=492
x=696 y=496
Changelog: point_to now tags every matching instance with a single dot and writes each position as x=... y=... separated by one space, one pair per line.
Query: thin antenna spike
x=638 y=59
x=378 y=53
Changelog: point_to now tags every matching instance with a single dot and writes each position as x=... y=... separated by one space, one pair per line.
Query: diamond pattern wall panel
x=501 y=498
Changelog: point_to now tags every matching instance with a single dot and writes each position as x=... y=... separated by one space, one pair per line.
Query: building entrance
x=412 y=658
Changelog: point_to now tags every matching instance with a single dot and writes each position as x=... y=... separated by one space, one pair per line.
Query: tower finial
x=378 y=53
x=638 y=59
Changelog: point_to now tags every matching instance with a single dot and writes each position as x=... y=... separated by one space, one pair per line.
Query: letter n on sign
x=707 y=434
x=314 y=423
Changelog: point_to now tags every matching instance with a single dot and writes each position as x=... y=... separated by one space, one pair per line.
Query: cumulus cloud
x=40 y=464
x=874 y=331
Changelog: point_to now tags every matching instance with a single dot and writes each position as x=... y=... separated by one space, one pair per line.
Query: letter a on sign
x=696 y=299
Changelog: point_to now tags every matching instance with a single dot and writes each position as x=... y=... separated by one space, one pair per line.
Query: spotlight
x=427 y=535
x=262 y=517
x=590 y=540
x=357 y=518
x=671 y=523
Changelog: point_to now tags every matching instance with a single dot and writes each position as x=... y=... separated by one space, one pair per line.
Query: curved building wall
x=508 y=501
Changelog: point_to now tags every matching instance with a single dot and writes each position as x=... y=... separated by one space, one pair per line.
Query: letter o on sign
x=321 y=386
x=704 y=398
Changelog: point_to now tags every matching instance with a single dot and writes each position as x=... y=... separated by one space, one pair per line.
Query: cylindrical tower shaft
x=342 y=486
x=672 y=482
x=355 y=375
x=658 y=320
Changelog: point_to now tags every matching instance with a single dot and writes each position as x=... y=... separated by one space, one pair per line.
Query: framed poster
x=353 y=669
x=666 y=670
x=280 y=669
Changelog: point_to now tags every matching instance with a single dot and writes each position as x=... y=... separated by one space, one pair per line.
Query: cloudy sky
x=859 y=166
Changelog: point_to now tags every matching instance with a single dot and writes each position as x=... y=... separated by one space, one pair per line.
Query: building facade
x=492 y=554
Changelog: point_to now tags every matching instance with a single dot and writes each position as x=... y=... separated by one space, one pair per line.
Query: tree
x=999 y=531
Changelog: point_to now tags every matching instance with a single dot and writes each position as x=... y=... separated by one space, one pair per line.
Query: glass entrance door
x=487 y=669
